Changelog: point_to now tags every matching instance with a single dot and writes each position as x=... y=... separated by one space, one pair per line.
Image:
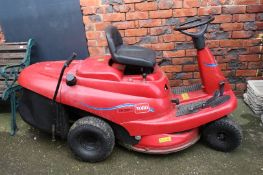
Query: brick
x=254 y=57
x=174 y=37
x=175 y=83
x=232 y=9
x=252 y=42
x=190 y=68
x=101 y=26
x=190 y=52
x=95 y=18
x=222 y=66
x=212 y=10
x=231 y=26
x=136 y=32
x=196 y=75
x=104 y=9
x=114 y=17
x=132 y=1
x=149 y=39
x=89 y=2
x=96 y=51
x=131 y=40
x=212 y=43
x=218 y=35
x=254 y=65
x=172 y=68
x=218 y=2
x=125 y=24
x=169 y=54
x=185 y=12
x=254 y=8
x=165 y=4
x=259 y=25
x=160 y=30
x=191 y=3
x=102 y=42
x=1 y=38
x=146 y=6
x=90 y=27
x=242 y=34
x=222 y=19
x=219 y=51
x=224 y=58
x=163 y=46
x=92 y=43
x=88 y=10
x=245 y=2
x=231 y=43
x=161 y=14
x=86 y=20
x=150 y=23
x=178 y=4
x=184 y=60
x=124 y=8
x=93 y=34
x=246 y=73
x=183 y=75
x=254 y=49
x=137 y=15
x=227 y=73
x=259 y=17
x=243 y=17
x=191 y=81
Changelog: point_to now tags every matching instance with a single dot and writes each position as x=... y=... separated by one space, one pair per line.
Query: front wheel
x=91 y=139
x=222 y=135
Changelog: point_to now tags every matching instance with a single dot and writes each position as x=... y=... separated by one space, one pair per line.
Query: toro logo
x=142 y=108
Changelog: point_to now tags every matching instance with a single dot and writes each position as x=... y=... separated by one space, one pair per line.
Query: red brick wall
x=232 y=36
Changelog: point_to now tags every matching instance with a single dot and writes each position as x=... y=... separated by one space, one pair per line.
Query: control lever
x=221 y=88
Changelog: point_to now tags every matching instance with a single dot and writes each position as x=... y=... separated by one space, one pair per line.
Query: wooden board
x=9 y=47
x=11 y=54
x=4 y=62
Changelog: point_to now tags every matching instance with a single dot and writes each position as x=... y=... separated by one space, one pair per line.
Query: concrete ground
x=33 y=152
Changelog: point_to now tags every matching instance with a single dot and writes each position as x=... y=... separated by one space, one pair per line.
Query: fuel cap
x=71 y=80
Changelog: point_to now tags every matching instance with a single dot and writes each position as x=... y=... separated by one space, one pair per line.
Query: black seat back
x=114 y=40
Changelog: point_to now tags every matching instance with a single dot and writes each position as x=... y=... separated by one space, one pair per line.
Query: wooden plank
x=12 y=55
x=12 y=47
x=16 y=43
x=4 y=62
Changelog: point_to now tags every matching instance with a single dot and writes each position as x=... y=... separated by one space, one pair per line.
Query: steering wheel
x=193 y=23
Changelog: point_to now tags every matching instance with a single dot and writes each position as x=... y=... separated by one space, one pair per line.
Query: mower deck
x=166 y=143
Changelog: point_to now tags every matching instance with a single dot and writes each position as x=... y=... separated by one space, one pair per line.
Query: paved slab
x=32 y=152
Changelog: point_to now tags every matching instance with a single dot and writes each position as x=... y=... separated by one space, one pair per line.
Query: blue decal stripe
x=211 y=65
x=108 y=109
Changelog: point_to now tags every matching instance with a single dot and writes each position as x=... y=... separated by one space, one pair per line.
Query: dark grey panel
x=56 y=25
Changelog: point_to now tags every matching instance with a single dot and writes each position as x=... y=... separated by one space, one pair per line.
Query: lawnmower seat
x=128 y=55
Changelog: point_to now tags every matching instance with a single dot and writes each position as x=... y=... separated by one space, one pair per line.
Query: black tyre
x=222 y=135
x=91 y=139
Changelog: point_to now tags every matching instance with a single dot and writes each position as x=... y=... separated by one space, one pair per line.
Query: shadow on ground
x=33 y=152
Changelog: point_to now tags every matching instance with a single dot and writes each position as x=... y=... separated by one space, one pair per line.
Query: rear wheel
x=222 y=135
x=91 y=139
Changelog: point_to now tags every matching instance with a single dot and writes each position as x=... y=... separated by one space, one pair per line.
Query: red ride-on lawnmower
x=127 y=97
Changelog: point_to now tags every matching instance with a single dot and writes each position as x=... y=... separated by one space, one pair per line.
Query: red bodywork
x=142 y=106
